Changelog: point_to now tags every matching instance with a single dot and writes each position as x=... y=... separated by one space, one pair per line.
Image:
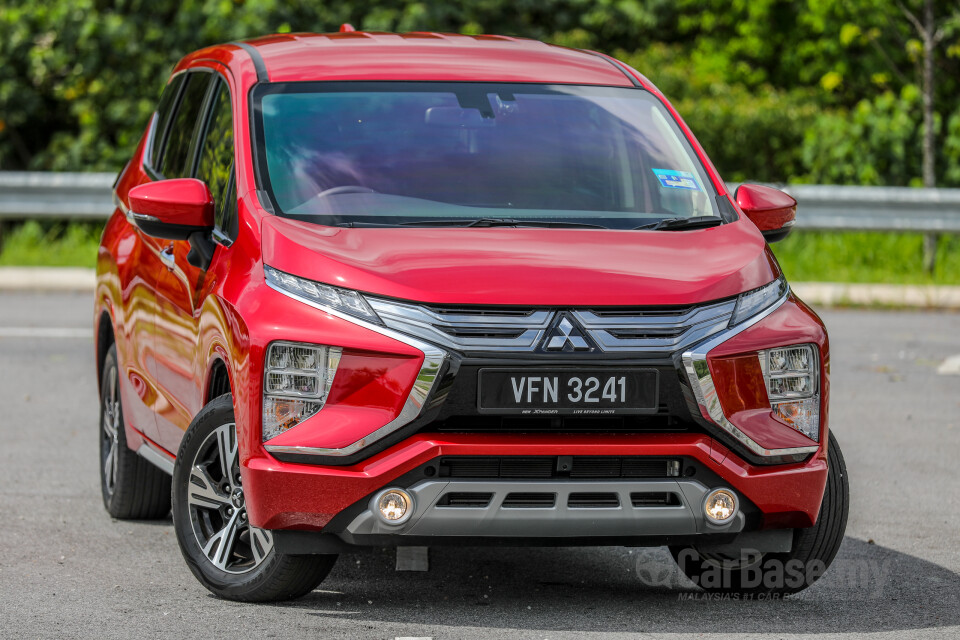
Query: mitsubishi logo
x=566 y=334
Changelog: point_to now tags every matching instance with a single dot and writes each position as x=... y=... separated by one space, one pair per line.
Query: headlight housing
x=753 y=302
x=297 y=378
x=334 y=298
x=792 y=377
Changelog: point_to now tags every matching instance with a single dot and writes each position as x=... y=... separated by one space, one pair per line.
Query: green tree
x=776 y=90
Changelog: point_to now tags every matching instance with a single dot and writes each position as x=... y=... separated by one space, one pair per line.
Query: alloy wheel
x=110 y=435
x=218 y=512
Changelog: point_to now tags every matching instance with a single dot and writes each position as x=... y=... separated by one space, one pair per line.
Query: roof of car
x=428 y=56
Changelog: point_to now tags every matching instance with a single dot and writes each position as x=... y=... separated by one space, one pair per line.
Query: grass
x=869 y=257
x=51 y=244
x=894 y=258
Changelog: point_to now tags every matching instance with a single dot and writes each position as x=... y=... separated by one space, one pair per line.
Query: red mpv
x=422 y=289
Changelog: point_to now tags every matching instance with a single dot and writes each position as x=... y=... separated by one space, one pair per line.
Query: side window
x=175 y=162
x=167 y=101
x=216 y=159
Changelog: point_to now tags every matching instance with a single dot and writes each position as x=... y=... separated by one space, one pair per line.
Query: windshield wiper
x=501 y=222
x=364 y=224
x=682 y=224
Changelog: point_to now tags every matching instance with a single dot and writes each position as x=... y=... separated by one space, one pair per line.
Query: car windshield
x=445 y=154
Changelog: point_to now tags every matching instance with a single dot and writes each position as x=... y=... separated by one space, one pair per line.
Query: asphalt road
x=68 y=570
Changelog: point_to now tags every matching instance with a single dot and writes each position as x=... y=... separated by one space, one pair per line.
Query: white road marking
x=950 y=366
x=45 y=332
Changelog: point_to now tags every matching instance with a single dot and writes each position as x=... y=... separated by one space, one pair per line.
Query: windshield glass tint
x=394 y=153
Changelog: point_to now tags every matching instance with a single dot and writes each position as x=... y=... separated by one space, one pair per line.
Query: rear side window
x=216 y=157
x=175 y=162
x=168 y=100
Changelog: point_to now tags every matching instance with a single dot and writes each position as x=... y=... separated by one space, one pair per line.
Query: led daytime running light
x=340 y=300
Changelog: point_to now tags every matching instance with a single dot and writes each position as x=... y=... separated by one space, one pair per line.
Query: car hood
x=525 y=266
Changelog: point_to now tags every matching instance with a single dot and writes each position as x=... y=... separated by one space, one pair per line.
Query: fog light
x=720 y=506
x=395 y=506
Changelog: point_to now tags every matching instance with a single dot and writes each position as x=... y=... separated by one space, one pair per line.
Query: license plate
x=568 y=392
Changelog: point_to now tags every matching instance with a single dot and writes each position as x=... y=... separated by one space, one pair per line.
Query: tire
x=231 y=558
x=132 y=488
x=813 y=549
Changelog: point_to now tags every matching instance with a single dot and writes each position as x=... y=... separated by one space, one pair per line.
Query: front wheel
x=228 y=555
x=779 y=573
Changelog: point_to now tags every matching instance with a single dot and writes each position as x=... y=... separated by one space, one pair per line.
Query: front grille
x=579 y=467
x=471 y=468
x=526 y=467
x=496 y=312
x=529 y=500
x=604 y=467
x=510 y=329
x=659 y=423
x=643 y=312
x=652 y=329
x=648 y=334
x=593 y=500
x=636 y=467
x=467 y=328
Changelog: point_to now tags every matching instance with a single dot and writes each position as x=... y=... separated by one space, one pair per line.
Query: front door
x=183 y=287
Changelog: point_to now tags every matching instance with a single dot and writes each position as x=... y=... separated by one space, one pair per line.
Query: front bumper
x=282 y=495
x=297 y=487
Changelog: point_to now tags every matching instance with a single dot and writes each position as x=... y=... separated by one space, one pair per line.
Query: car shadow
x=869 y=588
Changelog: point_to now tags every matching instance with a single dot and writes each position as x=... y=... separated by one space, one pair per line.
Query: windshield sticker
x=676 y=179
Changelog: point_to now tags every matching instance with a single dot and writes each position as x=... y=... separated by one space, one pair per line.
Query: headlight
x=753 y=302
x=792 y=376
x=334 y=298
x=296 y=381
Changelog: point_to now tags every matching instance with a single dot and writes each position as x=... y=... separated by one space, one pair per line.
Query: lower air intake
x=529 y=500
x=593 y=501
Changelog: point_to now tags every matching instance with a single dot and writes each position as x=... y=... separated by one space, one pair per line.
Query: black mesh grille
x=578 y=467
x=540 y=467
x=660 y=423
x=470 y=468
x=601 y=467
x=636 y=467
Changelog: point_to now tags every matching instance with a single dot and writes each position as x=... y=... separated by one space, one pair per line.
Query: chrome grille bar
x=466 y=329
x=508 y=329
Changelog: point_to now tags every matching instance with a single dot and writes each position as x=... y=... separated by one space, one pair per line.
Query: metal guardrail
x=28 y=195
x=32 y=195
x=833 y=207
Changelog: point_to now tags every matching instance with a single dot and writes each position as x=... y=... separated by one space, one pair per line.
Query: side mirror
x=774 y=212
x=173 y=209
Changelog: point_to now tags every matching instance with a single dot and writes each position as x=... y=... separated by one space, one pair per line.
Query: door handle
x=166 y=257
